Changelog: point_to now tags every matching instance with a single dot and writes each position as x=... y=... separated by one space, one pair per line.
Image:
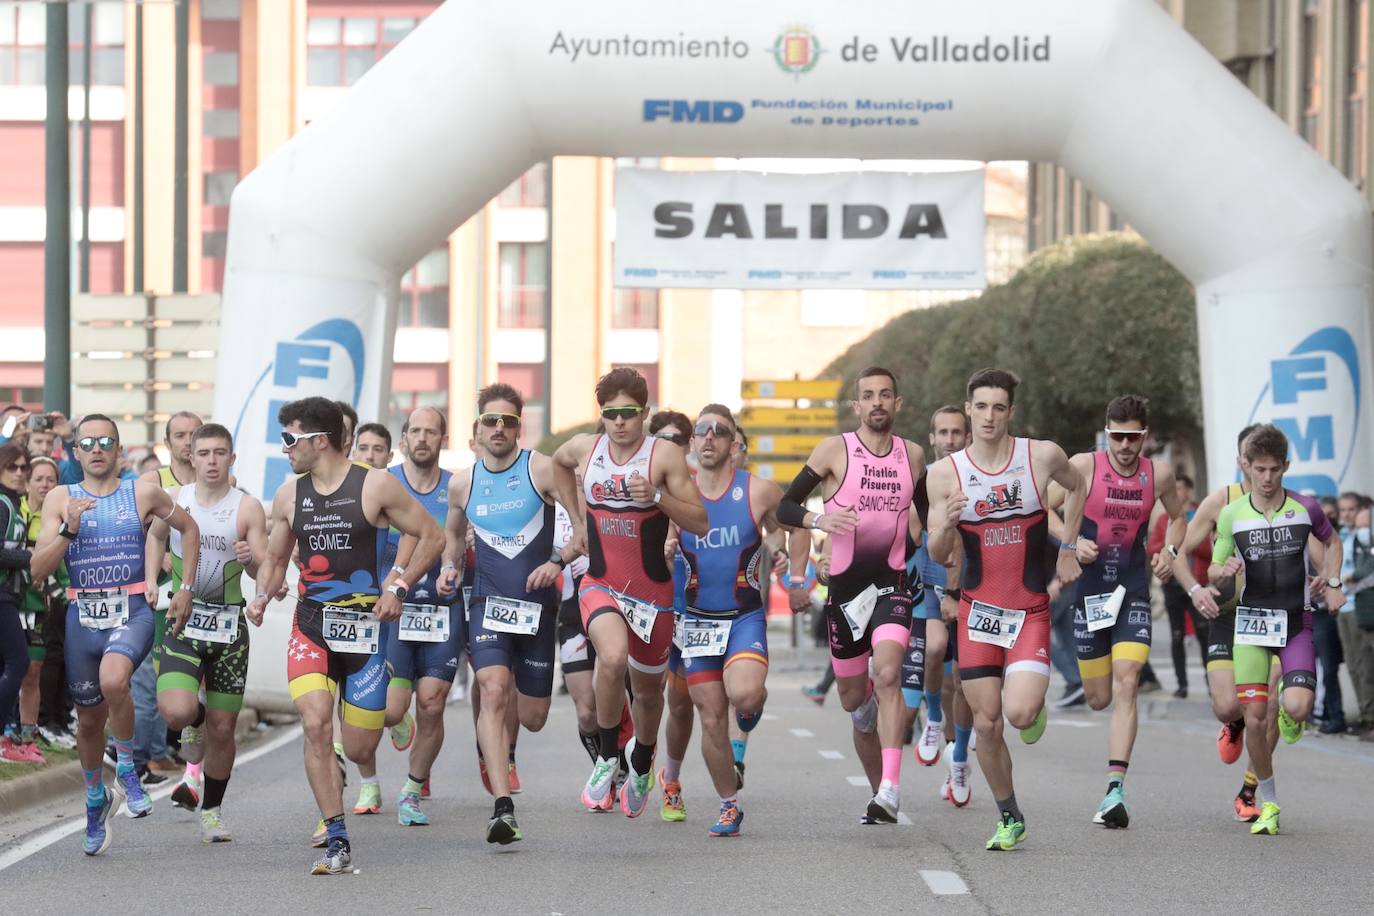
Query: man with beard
x=869 y=479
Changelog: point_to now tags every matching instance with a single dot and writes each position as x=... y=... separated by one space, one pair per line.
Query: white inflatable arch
x=1278 y=244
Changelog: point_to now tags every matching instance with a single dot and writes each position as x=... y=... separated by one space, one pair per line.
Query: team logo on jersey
x=737 y=494
x=616 y=488
x=599 y=461
x=486 y=491
x=124 y=515
x=512 y=482
x=1144 y=478
x=973 y=479
x=1254 y=553
x=307 y=504
x=1001 y=498
x=858 y=451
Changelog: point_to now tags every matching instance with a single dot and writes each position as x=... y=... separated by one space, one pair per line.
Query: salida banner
x=844 y=230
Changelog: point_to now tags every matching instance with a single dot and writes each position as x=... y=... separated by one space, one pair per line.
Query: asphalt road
x=802 y=848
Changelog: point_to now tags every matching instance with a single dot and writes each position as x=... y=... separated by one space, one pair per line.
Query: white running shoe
x=931 y=743
x=956 y=787
x=882 y=809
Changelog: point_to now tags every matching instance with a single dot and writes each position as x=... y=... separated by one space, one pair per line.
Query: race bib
x=640 y=615
x=859 y=609
x=102 y=610
x=424 y=623
x=703 y=638
x=510 y=615
x=217 y=623
x=1101 y=610
x=1260 y=626
x=994 y=625
x=350 y=631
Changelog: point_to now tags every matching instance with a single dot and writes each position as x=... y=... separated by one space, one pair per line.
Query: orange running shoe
x=1246 y=809
x=1231 y=741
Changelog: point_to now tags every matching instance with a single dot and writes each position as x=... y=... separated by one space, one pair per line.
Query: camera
x=39 y=422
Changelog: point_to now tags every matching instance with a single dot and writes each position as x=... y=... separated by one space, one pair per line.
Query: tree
x=1085 y=320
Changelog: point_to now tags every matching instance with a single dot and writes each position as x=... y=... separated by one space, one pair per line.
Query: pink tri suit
x=868 y=565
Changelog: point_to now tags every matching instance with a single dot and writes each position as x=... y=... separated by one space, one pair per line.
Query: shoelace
x=729 y=814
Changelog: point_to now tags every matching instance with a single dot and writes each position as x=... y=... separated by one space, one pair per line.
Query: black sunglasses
x=620 y=413
x=1118 y=435
x=88 y=443
x=492 y=420
x=19 y=467
x=715 y=428
x=673 y=437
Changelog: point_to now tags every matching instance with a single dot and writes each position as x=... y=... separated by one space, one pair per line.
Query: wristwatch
x=557 y=560
x=399 y=590
x=1333 y=582
x=65 y=531
x=1173 y=550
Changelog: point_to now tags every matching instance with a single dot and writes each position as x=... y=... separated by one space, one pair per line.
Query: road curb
x=50 y=782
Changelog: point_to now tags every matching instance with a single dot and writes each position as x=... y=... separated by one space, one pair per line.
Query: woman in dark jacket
x=14 y=580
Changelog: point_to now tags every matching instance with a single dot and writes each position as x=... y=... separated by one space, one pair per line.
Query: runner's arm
x=161 y=505
x=566 y=461
x=946 y=504
x=154 y=552
x=820 y=466
x=1224 y=559
x=678 y=496
x=253 y=529
x=542 y=469
x=51 y=547
x=407 y=516
x=1178 y=524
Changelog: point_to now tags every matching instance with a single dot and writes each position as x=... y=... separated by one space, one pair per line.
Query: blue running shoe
x=728 y=824
x=98 y=833
x=129 y=791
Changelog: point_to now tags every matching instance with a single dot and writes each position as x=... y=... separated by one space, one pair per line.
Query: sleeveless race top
x=1117 y=518
x=219 y=574
x=625 y=537
x=108 y=549
x=435 y=502
x=723 y=566
x=1004 y=532
x=880 y=488
x=1274 y=550
x=341 y=551
x=514 y=528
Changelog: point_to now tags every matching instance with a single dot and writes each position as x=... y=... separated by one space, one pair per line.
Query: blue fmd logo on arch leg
x=1313 y=395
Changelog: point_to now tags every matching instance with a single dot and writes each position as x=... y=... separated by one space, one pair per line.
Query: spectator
x=1329 y=709
x=57 y=427
x=48 y=599
x=1176 y=602
x=148 y=463
x=1356 y=622
x=14 y=565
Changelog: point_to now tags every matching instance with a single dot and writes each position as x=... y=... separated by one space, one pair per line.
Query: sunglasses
x=671 y=437
x=712 y=428
x=18 y=468
x=620 y=413
x=492 y=420
x=290 y=439
x=88 y=443
x=1126 y=435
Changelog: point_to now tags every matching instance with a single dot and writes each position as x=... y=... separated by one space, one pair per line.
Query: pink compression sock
x=892 y=764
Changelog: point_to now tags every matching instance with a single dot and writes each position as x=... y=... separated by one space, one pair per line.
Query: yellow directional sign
x=785 y=446
x=821 y=389
x=780 y=471
x=786 y=418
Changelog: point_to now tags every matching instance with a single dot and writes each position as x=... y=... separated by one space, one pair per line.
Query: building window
x=220 y=123
x=1356 y=88
x=635 y=308
x=23 y=35
x=404 y=402
x=214 y=243
x=1311 y=99
x=524 y=282
x=221 y=68
x=219 y=187
x=340 y=49
x=424 y=292
x=529 y=190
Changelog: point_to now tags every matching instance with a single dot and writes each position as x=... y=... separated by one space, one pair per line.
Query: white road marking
x=858 y=781
x=943 y=882
x=831 y=755
x=27 y=848
x=768 y=717
x=1071 y=723
x=802 y=732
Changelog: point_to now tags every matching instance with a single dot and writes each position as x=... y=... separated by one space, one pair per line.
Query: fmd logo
x=325 y=359
x=705 y=111
x=1313 y=395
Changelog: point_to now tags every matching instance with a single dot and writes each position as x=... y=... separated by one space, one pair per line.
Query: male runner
x=508 y=498
x=992 y=495
x=934 y=677
x=1112 y=624
x=423 y=646
x=1220 y=610
x=633 y=487
x=870 y=480
x=338 y=512
x=373 y=445
x=214 y=643
x=99 y=527
x=1266 y=535
x=724 y=626
x=181 y=426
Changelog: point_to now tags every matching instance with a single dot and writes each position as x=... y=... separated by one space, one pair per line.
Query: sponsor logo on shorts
x=485 y=637
x=1138 y=617
x=1040 y=653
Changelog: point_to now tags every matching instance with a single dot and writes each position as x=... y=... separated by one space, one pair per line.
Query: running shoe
x=728 y=824
x=369 y=799
x=56 y=737
x=408 y=811
x=1037 y=728
x=739 y=775
x=1246 y=809
x=212 y=829
x=1268 y=822
x=503 y=829
x=1112 y=812
x=1290 y=728
x=931 y=745
x=814 y=695
x=129 y=791
x=187 y=793
x=673 y=809
x=403 y=732
x=599 y=792
x=13 y=752
x=149 y=776
x=882 y=808
x=98 y=831
x=1009 y=832
x=635 y=795
x=338 y=859
x=320 y=835
x=482 y=771
x=956 y=788
x=1073 y=696
x=513 y=778
x=343 y=766
x=1231 y=741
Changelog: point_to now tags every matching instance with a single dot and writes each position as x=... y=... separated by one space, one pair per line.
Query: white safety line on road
x=1074 y=723
x=858 y=781
x=831 y=755
x=45 y=839
x=943 y=882
x=802 y=732
x=768 y=717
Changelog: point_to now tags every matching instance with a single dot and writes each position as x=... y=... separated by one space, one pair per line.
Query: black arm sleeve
x=14 y=558
x=792 y=509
